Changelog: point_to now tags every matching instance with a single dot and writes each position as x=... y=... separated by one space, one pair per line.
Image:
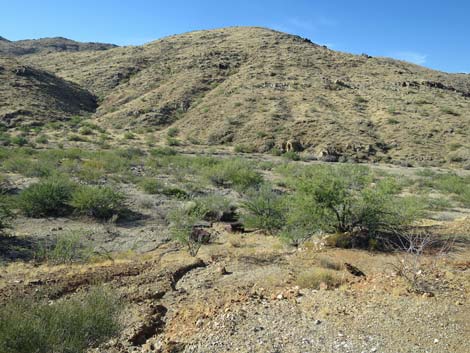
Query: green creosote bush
x=64 y=326
x=163 y=151
x=65 y=248
x=171 y=141
x=182 y=220
x=129 y=136
x=102 y=202
x=292 y=155
x=173 y=132
x=86 y=131
x=19 y=140
x=265 y=209
x=28 y=167
x=212 y=207
x=49 y=197
x=172 y=191
x=185 y=217
x=244 y=148
x=76 y=138
x=236 y=173
x=151 y=186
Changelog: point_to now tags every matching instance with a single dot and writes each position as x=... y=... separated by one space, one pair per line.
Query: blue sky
x=427 y=32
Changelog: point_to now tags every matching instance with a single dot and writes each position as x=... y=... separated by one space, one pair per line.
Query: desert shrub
x=19 y=140
x=91 y=171
x=92 y=127
x=436 y=203
x=244 y=148
x=236 y=173
x=49 y=197
x=163 y=151
x=42 y=139
x=97 y=201
x=422 y=272
x=275 y=151
x=66 y=326
x=151 y=186
x=5 y=138
x=76 y=138
x=171 y=141
x=292 y=155
x=66 y=248
x=130 y=153
x=213 y=207
x=450 y=183
x=426 y=173
x=118 y=162
x=28 y=167
x=4 y=184
x=327 y=262
x=450 y=111
x=182 y=220
x=314 y=277
x=172 y=132
x=86 y=131
x=5 y=214
x=264 y=209
x=175 y=192
x=346 y=199
x=129 y=135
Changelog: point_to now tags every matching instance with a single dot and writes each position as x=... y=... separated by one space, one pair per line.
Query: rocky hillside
x=36 y=96
x=47 y=45
x=259 y=88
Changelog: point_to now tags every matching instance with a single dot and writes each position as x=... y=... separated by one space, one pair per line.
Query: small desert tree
x=182 y=225
x=347 y=199
x=265 y=209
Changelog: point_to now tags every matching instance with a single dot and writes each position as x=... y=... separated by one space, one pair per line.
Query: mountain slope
x=29 y=95
x=258 y=87
x=47 y=45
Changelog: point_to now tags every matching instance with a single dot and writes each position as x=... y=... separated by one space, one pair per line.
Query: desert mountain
x=30 y=94
x=47 y=45
x=259 y=88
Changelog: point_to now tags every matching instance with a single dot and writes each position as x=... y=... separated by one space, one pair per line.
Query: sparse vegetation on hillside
x=341 y=107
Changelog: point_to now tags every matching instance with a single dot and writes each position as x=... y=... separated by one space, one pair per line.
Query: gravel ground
x=334 y=321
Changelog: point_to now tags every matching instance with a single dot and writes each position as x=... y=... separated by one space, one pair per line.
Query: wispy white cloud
x=302 y=24
x=311 y=24
x=410 y=56
x=305 y=27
